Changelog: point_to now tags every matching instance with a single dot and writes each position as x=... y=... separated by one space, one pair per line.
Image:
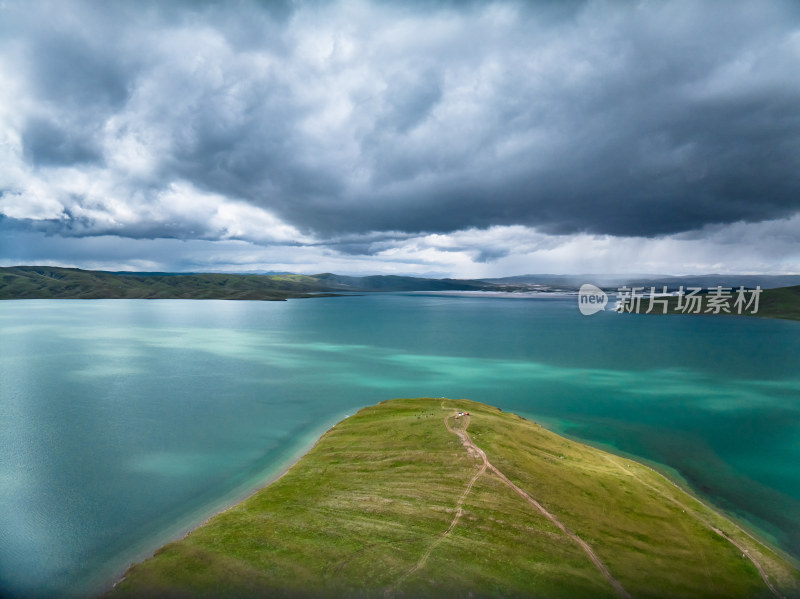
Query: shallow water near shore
x=123 y=422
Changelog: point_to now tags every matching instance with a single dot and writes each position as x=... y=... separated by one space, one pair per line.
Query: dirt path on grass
x=477 y=452
x=745 y=553
x=471 y=447
x=456 y=518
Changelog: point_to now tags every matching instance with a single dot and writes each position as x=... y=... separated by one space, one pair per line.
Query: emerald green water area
x=124 y=422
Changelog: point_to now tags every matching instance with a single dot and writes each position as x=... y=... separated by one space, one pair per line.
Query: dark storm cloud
x=635 y=119
x=49 y=143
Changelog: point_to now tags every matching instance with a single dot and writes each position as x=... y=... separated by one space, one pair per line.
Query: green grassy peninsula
x=408 y=499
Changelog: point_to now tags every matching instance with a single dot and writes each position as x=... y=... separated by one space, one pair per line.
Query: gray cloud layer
x=311 y=121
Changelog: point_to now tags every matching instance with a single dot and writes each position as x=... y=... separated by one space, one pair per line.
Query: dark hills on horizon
x=52 y=282
x=613 y=281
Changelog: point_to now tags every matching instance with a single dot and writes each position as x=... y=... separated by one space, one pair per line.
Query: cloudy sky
x=418 y=137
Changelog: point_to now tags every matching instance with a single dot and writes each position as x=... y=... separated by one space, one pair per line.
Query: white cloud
x=180 y=210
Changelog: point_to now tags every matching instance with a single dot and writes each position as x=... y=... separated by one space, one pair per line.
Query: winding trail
x=470 y=444
x=745 y=553
x=487 y=465
x=456 y=518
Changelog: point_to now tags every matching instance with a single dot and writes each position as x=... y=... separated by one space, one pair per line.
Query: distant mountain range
x=50 y=282
x=612 y=282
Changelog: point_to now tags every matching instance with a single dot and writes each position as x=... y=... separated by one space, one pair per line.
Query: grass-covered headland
x=404 y=499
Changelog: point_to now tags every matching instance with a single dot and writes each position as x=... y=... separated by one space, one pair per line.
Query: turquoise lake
x=125 y=422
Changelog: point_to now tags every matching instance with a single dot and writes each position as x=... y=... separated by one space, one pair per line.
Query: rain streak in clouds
x=442 y=138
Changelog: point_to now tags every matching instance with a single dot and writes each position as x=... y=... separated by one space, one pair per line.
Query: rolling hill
x=48 y=282
x=405 y=499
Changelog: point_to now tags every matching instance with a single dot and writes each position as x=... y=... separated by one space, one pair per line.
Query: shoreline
x=773 y=567
x=674 y=477
x=664 y=471
x=104 y=584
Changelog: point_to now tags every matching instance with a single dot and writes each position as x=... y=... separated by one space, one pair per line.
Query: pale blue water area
x=122 y=422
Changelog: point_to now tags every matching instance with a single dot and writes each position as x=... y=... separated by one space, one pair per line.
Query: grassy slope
x=355 y=515
x=781 y=302
x=46 y=282
x=31 y=282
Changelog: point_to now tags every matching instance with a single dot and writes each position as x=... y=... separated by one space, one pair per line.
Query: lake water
x=123 y=422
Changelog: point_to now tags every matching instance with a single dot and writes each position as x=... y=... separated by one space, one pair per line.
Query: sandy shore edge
x=290 y=462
